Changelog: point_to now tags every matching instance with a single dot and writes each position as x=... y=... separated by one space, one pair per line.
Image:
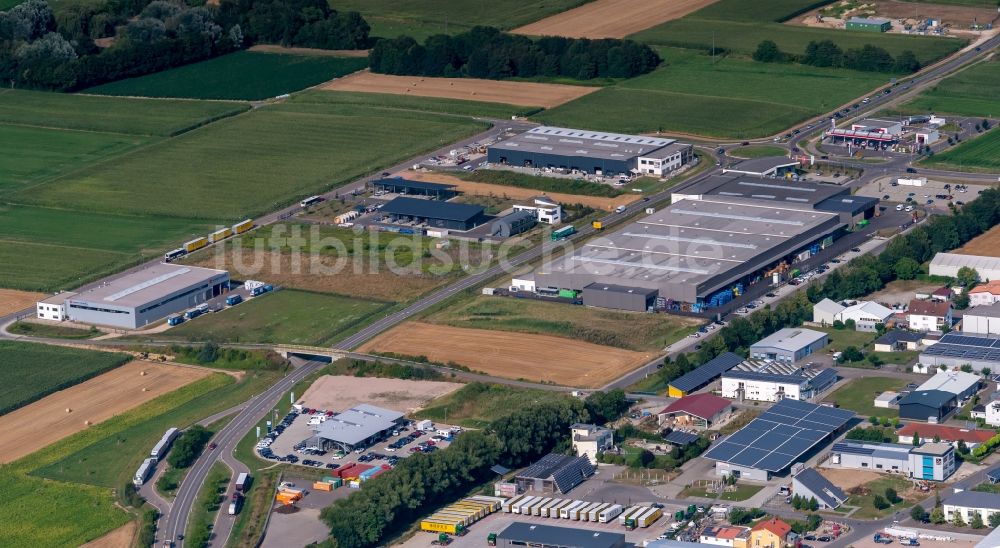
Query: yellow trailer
x=493 y=502
x=220 y=235
x=242 y=226
x=440 y=526
x=649 y=517
x=598 y=225
x=595 y=513
x=488 y=507
x=465 y=517
x=195 y=244
x=478 y=511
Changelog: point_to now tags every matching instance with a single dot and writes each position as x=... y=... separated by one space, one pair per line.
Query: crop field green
x=631 y=331
x=459 y=107
x=758 y=151
x=110 y=114
x=859 y=395
x=979 y=154
x=721 y=97
x=51 y=330
x=244 y=75
x=422 y=18
x=245 y=165
x=62 y=258
x=477 y=404
x=32 y=154
x=971 y=92
x=286 y=316
x=737 y=25
x=33 y=371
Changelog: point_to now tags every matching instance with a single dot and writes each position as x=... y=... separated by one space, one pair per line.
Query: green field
x=865 y=503
x=287 y=316
x=979 y=154
x=742 y=492
x=971 y=92
x=758 y=151
x=859 y=395
x=477 y=404
x=632 y=331
x=737 y=25
x=70 y=247
x=109 y=114
x=422 y=18
x=32 y=371
x=725 y=97
x=33 y=154
x=246 y=165
x=245 y=75
x=51 y=330
x=408 y=102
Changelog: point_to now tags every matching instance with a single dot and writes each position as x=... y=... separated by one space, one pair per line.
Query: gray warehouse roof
x=955 y=382
x=431 y=209
x=774 y=190
x=963 y=346
x=790 y=339
x=565 y=470
x=357 y=424
x=710 y=370
x=706 y=244
x=847 y=204
x=148 y=284
x=830 y=494
x=567 y=537
x=582 y=143
x=761 y=165
x=611 y=288
x=409 y=183
x=960 y=260
x=984 y=311
x=930 y=398
x=974 y=499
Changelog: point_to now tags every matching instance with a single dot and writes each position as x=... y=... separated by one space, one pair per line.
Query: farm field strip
x=12 y=300
x=244 y=75
x=528 y=94
x=512 y=355
x=518 y=193
x=388 y=101
x=68 y=411
x=984 y=245
x=979 y=154
x=611 y=18
x=969 y=92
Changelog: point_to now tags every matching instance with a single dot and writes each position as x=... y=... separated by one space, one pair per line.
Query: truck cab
x=233 y=300
x=175 y=320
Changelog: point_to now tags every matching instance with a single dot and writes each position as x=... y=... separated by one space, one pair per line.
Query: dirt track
x=517 y=193
x=337 y=393
x=611 y=18
x=46 y=421
x=119 y=538
x=984 y=245
x=12 y=300
x=527 y=94
x=512 y=355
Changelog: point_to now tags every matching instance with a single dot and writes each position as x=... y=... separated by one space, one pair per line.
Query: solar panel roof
x=961 y=346
x=774 y=440
x=701 y=376
x=681 y=438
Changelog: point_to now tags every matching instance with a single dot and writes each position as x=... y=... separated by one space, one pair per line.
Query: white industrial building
x=771 y=166
x=768 y=380
x=930 y=461
x=963 y=385
x=590 y=439
x=982 y=320
x=664 y=160
x=789 y=344
x=54 y=307
x=145 y=296
x=874 y=125
x=969 y=503
x=358 y=427
x=865 y=314
x=546 y=210
x=948 y=264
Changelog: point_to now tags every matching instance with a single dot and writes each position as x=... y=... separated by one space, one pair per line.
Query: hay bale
x=142 y=373
x=86 y=423
x=68 y=410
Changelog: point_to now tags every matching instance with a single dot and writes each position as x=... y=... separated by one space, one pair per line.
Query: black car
x=333 y=466
x=770 y=295
x=856 y=249
x=810 y=537
x=824 y=538
x=910 y=170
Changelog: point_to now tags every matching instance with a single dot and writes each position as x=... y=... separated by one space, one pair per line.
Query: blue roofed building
x=434 y=214
x=702 y=375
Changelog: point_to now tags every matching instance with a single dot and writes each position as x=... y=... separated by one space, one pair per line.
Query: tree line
x=58 y=50
x=486 y=52
x=826 y=53
x=422 y=482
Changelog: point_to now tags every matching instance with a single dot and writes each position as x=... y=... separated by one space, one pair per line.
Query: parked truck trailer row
x=579 y=510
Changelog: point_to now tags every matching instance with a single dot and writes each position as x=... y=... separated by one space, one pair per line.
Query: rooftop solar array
x=565 y=470
x=680 y=438
x=701 y=376
x=965 y=347
x=783 y=433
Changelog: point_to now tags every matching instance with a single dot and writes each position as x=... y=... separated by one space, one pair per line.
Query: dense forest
x=486 y=52
x=82 y=45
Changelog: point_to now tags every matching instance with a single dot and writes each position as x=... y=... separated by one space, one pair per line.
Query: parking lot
x=287 y=443
x=935 y=191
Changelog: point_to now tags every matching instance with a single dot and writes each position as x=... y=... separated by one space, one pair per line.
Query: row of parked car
x=264 y=445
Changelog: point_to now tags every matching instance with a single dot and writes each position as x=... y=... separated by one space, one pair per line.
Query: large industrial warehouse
x=700 y=252
x=146 y=296
x=594 y=152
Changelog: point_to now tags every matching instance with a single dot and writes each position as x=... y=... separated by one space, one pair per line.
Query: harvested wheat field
x=512 y=355
x=276 y=268
x=518 y=193
x=984 y=245
x=119 y=538
x=47 y=421
x=12 y=300
x=611 y=18
x=528 y=94
x=339 y=392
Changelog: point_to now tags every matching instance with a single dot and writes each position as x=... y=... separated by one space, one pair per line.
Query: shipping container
x=565 y=511
x=220 y=235
x=243 y=482
x=242 y=226
x=527 y=509
x=593 y=514
x=160 y=449
x=567 y=293
x=477 y=511
x=459 y=517
x=630 y=512
x=322 y=486
x=536 y=509
x=609 y=514
x=195 y=244
x=577 y=513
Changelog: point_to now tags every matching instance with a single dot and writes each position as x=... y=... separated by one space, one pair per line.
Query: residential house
x=590 y=439
x=969 y=503
x=726 y=535
x=771 y=533
x=946 y=434
x=929 y=315
x=897 y=340
x=984 y=294
x=546 y=210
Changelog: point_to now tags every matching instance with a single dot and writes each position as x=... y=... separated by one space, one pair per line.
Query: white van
x=899 y=207
x=909 y=208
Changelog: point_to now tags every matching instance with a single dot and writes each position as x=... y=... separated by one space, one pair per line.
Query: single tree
x=879 y=502
x=977 y=521
x=937 y=516
x=918 y=513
